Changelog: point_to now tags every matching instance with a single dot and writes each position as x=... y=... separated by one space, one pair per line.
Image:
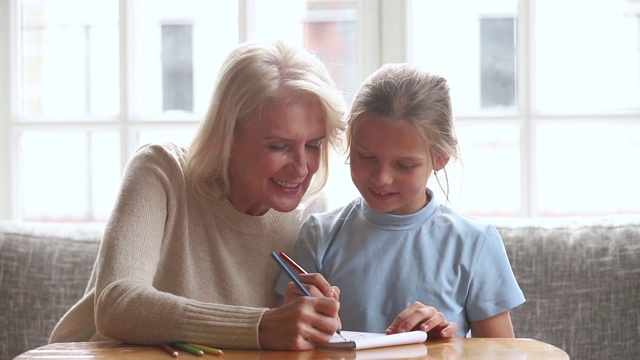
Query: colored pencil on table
x=169 y=350
x=188 y=348
x=206 y=349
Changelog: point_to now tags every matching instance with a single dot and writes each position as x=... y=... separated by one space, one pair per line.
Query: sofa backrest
x=581 y=280
x=44 y=270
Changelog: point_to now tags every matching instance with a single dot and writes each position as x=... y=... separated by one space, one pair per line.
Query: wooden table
x=473 y=348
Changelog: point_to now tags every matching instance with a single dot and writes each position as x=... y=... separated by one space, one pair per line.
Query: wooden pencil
x=206 y=349
x=188 y=348
x=169 y=350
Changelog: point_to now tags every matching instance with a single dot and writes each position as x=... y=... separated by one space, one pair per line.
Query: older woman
x=185 y=254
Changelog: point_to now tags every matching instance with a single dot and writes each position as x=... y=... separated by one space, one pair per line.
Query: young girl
x=401 y=259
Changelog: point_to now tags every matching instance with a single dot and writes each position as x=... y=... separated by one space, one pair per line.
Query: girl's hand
x=418 y=316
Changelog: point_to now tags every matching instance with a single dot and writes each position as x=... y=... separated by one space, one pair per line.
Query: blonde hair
x=406 y=92
x=254 y=76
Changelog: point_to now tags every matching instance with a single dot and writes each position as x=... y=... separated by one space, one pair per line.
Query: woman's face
x=274 y=158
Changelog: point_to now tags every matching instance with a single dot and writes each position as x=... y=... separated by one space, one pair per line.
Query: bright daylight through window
x=546 y=93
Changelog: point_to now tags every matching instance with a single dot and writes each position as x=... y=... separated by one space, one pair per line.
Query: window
x=67 y=60
x=97 y=82
x=497 y=63
x=547 y=104
x=177 y=67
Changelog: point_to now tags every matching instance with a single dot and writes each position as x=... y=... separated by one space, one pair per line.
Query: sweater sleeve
x=128 y=307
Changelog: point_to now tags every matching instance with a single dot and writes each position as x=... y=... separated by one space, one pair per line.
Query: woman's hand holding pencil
x=301 y=323
x=333 y=292
x=315 y=280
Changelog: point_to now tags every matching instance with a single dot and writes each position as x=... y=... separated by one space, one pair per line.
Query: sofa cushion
x=44 y=270
x=581 y=279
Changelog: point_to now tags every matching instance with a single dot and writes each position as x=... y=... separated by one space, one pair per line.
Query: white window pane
x=179 y=136
x=282 y=22
x=340 y=189
x=478 y=53
x=69 y=59
x=588 y=169
x=487 y=182
x=105 y=174
x=587 y=55
x=177 y=67
x=328 y=28
x=177 y=49
x=331 y=32
x=68 y=176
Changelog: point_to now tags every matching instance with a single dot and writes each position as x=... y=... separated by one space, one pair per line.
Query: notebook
x=366 y=340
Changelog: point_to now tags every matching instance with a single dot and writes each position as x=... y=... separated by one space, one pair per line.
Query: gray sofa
x=581 y=278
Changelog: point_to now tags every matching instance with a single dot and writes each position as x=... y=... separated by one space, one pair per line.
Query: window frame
x=381 y=39
x=6 y=111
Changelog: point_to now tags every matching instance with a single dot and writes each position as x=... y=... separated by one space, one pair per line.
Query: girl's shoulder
x=333 y=220
x=464 y=224
x=341 y=212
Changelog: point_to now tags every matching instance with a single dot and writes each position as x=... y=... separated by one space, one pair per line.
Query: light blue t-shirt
x=382 y=263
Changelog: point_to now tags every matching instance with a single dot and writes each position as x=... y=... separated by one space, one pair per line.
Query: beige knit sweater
x=175 y=268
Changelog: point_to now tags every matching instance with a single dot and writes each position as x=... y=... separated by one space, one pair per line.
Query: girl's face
x=274 y=159
x=390 y=166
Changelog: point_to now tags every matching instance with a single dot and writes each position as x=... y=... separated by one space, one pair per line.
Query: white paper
x=366 y=340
